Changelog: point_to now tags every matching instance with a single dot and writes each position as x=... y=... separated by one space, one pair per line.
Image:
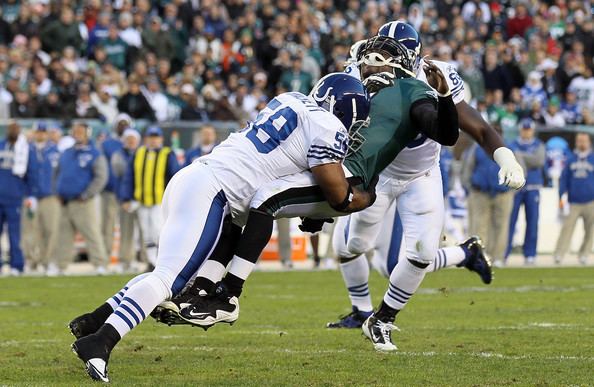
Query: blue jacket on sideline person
x=577 y=178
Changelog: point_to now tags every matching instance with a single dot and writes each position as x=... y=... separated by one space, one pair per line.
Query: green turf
x=530 y=327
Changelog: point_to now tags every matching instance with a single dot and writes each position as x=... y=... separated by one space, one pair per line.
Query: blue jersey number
x=277 y=127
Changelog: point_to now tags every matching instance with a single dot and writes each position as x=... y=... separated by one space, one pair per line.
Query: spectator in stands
x=207 y=141
x=576 y=190
x=84 y=105
x=530 y=152
x=129 y=225
x=156 y=40
x=47 y=217
x=134 y=102
x=148 y=174
x=51 y=106
x=115 y=47
x=520 y=22
x=22 y=106
x=156 y=99
x=193 y=109
x=105 y=103
x=570 y=109
x=295 y=79
x=533 y=91
x=19 y=182
x=59 y=34
x=552 y=116
x=489 y=203
x=583 y=87
x=82 y=175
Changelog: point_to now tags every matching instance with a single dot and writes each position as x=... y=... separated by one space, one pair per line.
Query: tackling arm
x=338 y=192
x=439 y=123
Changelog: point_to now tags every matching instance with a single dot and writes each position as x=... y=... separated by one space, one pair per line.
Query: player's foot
x=167 y=312
x=583 y=259
x=380 y=333
x=530 y=261
x=95 y=355
x=83 y=325
x=205 y=311
x=477 y=260
x=557 y=259
x=352 y=320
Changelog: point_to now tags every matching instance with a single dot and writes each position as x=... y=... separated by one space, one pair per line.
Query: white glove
x=511 y=173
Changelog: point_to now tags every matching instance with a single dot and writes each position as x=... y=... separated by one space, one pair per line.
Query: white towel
x=21 y=156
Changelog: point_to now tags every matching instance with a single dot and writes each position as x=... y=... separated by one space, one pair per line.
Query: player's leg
x=89 y=323
x=532 y=206
x=359 y=234
x=423 y=222
x=295 y=195
x=189 y=235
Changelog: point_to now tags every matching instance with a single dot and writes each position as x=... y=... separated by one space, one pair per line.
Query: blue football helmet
x=407 y=35
x=346 y=98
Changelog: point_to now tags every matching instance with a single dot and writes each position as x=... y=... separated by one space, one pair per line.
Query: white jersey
x=352 y=69
x=421 y=154
x=290 y=135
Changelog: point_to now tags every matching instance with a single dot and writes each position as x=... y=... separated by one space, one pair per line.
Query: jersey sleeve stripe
x=316 y=147
x=324 y=153
x=458 y=88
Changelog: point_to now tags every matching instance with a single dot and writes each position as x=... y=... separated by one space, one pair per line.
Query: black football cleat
x=207 y=310
x=83 y=325
x=477 y=260
x=352 y=320
x=95 y=356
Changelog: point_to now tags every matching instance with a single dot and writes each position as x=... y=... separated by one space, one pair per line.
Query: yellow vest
x=150 y=173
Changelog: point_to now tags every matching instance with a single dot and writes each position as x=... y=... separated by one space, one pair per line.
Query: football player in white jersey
x=291 y=134
x=413 y=180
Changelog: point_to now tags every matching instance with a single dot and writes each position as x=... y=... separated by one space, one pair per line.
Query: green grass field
x=530 y=327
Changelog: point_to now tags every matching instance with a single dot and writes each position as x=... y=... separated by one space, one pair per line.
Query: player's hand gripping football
x=436 y=78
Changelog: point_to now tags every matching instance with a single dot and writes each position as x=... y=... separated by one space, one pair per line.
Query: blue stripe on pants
x=395 y=242
x=208 y=239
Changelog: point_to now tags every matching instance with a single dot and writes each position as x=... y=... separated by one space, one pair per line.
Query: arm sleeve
x=438 y=121
x=99 y=181
x=329 y=147
x=536 y=159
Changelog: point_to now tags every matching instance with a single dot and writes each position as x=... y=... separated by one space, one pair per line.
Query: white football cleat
x=380 y=334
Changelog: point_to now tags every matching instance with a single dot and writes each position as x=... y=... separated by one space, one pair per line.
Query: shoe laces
x=386 y=329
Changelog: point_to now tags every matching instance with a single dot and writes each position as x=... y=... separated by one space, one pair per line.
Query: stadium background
x=219 y=62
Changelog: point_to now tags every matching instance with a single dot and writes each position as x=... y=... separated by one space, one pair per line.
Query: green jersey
x=390 y=128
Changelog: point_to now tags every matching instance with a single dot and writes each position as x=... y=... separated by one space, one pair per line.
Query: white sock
x=240 y=267
x=212 y=270
x=447 y=257
x=404 y=282
x=115 y=300
x=140 y=300
x=355 y=274
x=151 y=254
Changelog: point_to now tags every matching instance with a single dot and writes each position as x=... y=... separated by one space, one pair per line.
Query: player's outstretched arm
x=511 y=173
x=339 y=193
x=438 y=122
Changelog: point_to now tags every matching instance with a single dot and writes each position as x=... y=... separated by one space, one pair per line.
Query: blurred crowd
x=221 y=60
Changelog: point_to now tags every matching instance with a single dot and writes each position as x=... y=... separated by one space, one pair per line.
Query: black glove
x=378 y=81
x=313 y=225
x=371 y=189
